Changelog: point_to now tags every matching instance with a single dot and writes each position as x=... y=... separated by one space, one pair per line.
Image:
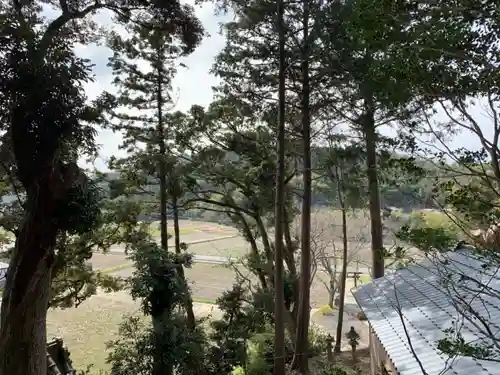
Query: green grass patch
x=115 y=268
x=207 y=301
x=325 y=310
x=364 y=278
x=435 y=220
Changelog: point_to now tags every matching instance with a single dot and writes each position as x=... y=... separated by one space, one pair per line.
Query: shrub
x=361 y=316
x=330 y=369
x=317 y=340
x=261 y=350
x=435 y=220
x=261 y=353
x=326 y=310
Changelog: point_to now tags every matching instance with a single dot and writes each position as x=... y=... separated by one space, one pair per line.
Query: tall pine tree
x=144 y=64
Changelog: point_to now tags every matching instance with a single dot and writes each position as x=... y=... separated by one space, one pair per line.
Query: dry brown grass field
x=205 y=238
x=209 y=281
x=87 y=328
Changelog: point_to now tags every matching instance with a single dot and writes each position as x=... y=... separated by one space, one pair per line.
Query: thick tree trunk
x=162 y=171
x=23 y=333
x=279 y=303
x=373 y=192
x=331 y=295
x=159 y=367
x=338 y=339
x=301 y=355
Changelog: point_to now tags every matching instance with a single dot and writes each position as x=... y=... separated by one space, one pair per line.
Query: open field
x=326 y=233
x=190 y=226
x=235 y=247
x=211 y=239
x=200 y=243
x=198 y=235
x=87 y=328
x=209 y=281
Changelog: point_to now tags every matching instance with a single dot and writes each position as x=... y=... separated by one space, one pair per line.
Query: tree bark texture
x=279 y=288
x=301 y=355
x=159 y=365
x=377 y=238
x=23 y=333
x=338 y=338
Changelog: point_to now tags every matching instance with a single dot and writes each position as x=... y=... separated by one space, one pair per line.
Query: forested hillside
x=399 y=189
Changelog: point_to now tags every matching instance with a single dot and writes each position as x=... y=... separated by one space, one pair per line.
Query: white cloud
x=462 y=138
x=193 y=85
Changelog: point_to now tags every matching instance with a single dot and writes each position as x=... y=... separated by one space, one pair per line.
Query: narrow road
x=226 y=260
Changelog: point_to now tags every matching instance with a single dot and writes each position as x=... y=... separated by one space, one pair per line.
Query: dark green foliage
x=156 y=279
x=93 y=223
x=230 y=335
x=365 y=56
x=45 y=110
x=163 y=292
x=131 y=354
x=260 y=350
x=455 y=344
x=80 y=211
x=242 y=337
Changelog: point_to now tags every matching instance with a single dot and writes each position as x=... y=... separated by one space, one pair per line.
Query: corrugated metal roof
x=420 y=296
x=3 y=272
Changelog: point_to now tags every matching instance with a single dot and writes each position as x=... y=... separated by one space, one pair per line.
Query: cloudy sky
x=193 y=85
